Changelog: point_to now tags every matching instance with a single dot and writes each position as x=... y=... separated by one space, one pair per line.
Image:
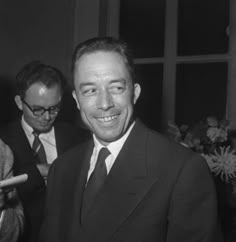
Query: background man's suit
x=33 y=192
x=150 y=178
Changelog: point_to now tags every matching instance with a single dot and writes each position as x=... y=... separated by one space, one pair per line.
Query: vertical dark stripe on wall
x=103 y=15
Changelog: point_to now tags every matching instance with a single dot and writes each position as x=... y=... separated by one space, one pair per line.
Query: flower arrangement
x=210 y=138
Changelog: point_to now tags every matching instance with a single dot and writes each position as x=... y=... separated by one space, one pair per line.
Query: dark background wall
x=48 y=30
x=33 y=30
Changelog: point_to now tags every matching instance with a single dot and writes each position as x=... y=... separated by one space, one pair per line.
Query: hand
x=2 y=200
x=43 y=169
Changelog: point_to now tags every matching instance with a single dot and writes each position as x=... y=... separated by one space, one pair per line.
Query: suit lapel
x=76 y=185
x=83 y=177
x=19 y=141
x=61 y=138
x=126 y=185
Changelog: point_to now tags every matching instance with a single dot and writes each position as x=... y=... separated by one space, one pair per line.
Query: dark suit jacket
x=33 y=192
x=156 y=191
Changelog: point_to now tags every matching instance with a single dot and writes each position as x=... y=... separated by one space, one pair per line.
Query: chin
x=109 y=139
x=44 y=128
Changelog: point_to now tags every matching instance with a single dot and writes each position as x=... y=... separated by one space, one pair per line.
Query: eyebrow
x=81 y=85
x=119 y=80
x=94 y=83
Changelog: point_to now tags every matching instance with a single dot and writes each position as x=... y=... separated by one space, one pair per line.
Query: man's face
x=105 y=94
x=38 y=96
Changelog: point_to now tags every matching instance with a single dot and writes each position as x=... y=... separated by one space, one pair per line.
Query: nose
x=105 y=100
x=47 y=115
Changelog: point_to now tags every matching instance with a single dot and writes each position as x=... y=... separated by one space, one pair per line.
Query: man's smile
x=107 y=118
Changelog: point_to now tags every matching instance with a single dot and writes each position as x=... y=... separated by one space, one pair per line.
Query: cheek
x=85 y=113
x=30 y=119
x=87 y=105
x=128 y=110
x=27 y=114
x=53 y=118
x=125 y=103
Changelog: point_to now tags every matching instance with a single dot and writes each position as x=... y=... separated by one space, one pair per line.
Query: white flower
x=217 y=133
x=222 y=163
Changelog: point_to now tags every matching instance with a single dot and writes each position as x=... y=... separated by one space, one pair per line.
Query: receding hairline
x=123 y=58
x=102 y=51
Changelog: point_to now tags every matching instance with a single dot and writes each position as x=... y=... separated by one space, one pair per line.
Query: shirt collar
x=114 y=147
x=29 y=130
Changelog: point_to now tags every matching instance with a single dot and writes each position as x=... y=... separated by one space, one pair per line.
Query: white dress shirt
x=48 y=140
x=113 y=147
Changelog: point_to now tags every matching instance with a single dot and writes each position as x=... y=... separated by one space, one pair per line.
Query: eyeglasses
x=39 y=111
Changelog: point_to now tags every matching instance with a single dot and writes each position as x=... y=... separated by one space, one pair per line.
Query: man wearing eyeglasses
x=36 y=139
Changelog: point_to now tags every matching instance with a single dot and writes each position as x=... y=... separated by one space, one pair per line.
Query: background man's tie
x=95 y=182
x=38 y=148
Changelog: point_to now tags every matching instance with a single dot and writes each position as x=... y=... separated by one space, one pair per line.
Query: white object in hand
x=13 y=181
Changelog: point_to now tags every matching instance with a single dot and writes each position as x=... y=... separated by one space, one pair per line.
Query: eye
x=38 y=109
x=88 y=91
x=117 y=88
x=54 y=108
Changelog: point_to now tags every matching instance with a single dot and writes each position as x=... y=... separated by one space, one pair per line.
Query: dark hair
x=108 y=44
x=37 y=72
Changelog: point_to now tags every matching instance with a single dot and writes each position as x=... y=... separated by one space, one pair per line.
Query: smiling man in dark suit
x=145 y=188
x=37 y=139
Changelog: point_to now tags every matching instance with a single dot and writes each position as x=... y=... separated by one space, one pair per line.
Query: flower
x=217 y=130
x=210 y=139
x=222 y=163
x=217 y=133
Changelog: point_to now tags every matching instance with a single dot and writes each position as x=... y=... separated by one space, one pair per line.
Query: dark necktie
x=95 y=182
x=38 y=149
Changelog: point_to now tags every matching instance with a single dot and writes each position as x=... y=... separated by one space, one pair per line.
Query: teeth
x=107 y=119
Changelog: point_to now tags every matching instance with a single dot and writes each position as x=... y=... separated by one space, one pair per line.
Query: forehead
x=38 y=94
x=101 y=64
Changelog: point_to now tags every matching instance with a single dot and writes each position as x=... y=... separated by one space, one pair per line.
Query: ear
x=18 y=102
x=137 y=91
x=75 y=97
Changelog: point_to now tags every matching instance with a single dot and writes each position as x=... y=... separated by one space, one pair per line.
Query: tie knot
x=36 y=133
x=103 y=154
x=38 y=148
